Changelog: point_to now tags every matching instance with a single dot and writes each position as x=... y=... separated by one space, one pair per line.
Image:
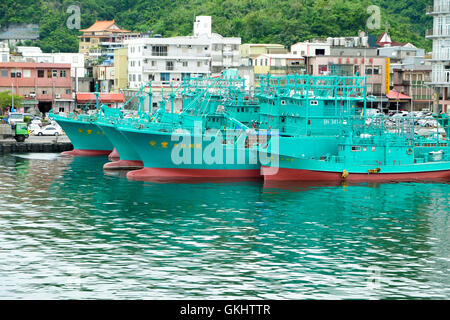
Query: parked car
x=36 y=122
x=428 y=122
x=48 y=131
x=401 y=114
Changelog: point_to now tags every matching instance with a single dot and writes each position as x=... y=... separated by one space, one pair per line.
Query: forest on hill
x=255 y=21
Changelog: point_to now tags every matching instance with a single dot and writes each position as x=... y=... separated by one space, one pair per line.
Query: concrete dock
x=36 y=144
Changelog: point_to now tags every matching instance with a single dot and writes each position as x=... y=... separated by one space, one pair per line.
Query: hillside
x=276 y=21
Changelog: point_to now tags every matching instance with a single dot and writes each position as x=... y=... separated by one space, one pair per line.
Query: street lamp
x=12 y=95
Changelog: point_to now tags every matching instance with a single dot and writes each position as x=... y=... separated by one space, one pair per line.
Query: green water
x=70 y=231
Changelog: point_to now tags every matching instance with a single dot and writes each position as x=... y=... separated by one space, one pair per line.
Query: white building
x=35 y=54
x=311 y=49
x=4 y=52
x=440 y=78
x=169 y=60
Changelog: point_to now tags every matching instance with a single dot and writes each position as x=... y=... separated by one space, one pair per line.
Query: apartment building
x=440 y=34
x=43 y=85
x=166 y=61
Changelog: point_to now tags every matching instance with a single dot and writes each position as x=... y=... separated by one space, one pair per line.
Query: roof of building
x=264 y=45
x=397 y=95
x=104 y=26
x=34 y=65
x=20 y=32
x=281 y=56
x=89 y=97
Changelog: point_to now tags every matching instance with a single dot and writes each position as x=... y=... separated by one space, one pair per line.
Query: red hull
x=114 y=155
x=309 y=175
x=164 y=174
x=86 y=153
x=124 y=165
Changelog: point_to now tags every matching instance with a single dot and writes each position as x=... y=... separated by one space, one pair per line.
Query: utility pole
x=12 y=95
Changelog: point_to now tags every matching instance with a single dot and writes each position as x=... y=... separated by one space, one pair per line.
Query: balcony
x=444 y=33
x=438 y=9
x=442 y=78
x=441 y=56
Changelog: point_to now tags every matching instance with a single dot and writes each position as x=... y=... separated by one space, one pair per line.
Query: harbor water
x=71 y=231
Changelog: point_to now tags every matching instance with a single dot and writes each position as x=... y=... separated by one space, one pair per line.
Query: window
x=185 y=75
x=139 y=77
x=62 y=73
x=165 y=77
x=134 y=77
x=368 y=70
x=49 y=73
x=68 y=91
x=44 y=91
x=376 y=70
x=159 y=50
x=4 y=58
x=26 y=73
x=153 y=63
x=41 y=73
x=4 y=73
x=185 y=63
x=320 y=52
x=151 y=77
x=356 y=149
x=376 y=88
x=55 y=73
x=169 y=65
x=61 y=109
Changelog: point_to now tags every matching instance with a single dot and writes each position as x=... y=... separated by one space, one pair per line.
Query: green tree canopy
x=279 y=21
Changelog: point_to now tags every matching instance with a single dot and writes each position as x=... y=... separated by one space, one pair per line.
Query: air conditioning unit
x=58 y=96
x=32 y=95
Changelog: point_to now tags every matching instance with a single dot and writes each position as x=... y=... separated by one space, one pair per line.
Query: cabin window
x=283 y=102
x=356 y=149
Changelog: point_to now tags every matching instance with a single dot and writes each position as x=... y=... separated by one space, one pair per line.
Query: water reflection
x=64 y=218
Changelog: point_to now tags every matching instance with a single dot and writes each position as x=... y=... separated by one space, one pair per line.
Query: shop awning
x=394 y=95
x=103 y=97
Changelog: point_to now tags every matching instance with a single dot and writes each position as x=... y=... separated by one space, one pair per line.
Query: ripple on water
x=69 y=231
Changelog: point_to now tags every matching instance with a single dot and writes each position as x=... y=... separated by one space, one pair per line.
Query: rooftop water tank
x=364 y=41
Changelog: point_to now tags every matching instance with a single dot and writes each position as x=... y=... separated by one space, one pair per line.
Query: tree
x=6 y=101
